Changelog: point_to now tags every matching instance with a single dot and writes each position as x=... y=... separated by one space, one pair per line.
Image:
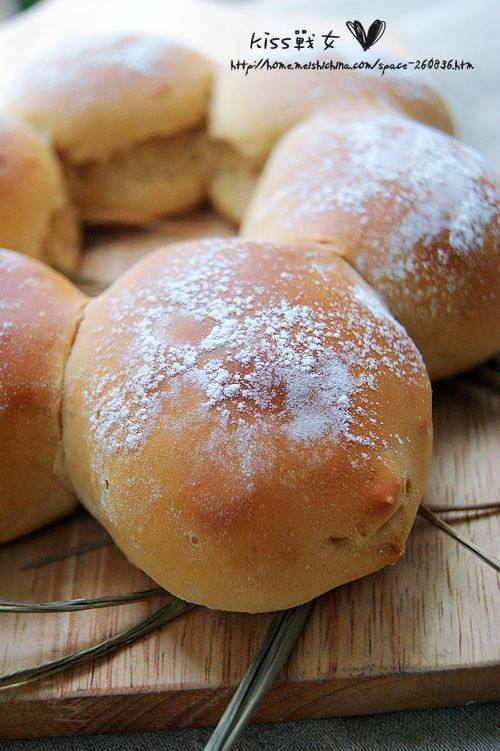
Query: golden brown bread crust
x=104 y=94
x=121 y=110
x=250 y=113
x=39 y=313
x=413 y=210
x=248 y=422
x=35 y=216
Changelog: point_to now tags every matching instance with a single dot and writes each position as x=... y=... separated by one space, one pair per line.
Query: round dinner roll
x=413 y=210
x=127 y=117
x=248 y=421
x=39 y=314
x=250 y=112
x=35 y=217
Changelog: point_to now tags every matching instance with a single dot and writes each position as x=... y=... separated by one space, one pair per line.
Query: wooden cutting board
x=422 y=634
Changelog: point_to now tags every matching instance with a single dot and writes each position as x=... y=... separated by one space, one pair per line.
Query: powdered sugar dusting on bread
x=435 y=180
x=78 y=66
x=405 y=186
x=11 y=262
x=262 y=355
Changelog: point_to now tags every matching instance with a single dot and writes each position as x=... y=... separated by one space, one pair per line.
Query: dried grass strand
x=87 y=547
x=449 y=530
x=165 y=614
x=459 y=509
x=279 y=641
x=67 y=606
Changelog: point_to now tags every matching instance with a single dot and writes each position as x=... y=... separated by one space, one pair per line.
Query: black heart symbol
x=375 y=31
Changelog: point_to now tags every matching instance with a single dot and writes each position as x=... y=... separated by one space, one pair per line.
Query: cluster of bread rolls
x=144 y=128
x=249 y=418
x=249 y=115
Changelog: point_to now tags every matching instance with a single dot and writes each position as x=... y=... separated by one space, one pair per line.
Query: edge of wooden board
x=156 y=710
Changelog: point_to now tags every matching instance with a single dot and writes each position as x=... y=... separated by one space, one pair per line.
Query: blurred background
x=429 y=28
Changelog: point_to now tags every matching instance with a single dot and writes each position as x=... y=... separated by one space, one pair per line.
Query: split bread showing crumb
x=126 y=115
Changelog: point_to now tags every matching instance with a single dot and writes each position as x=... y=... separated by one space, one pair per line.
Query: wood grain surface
x=424 y=633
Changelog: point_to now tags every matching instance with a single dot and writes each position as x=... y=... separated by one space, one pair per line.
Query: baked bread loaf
x=35 y=217
x=249 y=113
x=39 y=314
x=413 y=210
x=127 y=117
x=248 y=421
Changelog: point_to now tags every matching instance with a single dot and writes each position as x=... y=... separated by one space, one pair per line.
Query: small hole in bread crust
x=335 y=540
x=194 y=540
x=408 y=487
x=106 y=484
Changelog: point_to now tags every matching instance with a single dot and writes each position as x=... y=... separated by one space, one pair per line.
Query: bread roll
x=413 y=210
x=127 y=117
x=248 y=421
x=249 y=113
x=39 y=314
x=35 y=217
